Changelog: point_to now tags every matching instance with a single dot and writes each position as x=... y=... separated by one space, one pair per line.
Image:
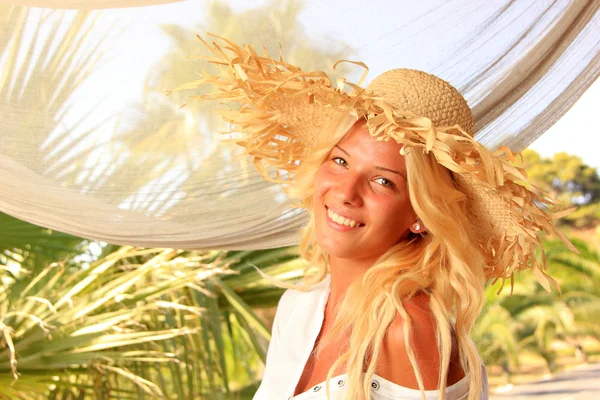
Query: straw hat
x=282 y=110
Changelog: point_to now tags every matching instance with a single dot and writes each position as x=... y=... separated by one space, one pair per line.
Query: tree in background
x=132 y=323
x=570 y=180
x=139 y=323
x=531 y=320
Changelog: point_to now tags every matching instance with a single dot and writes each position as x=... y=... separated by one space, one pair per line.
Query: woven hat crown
x=424 y=95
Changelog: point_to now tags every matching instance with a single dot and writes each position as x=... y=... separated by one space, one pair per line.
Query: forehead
x=359 y=143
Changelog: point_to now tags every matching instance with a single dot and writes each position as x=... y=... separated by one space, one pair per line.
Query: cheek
x=394 y=217
x=321 y=185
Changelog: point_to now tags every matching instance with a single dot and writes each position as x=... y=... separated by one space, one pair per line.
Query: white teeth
x=341 y=220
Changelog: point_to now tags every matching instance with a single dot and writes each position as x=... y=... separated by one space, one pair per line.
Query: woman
x=409 y=216
x=373 y=244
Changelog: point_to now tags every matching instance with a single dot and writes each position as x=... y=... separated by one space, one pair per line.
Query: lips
x=342 y=219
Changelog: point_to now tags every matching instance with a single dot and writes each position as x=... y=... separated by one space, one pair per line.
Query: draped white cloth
x=148 y=173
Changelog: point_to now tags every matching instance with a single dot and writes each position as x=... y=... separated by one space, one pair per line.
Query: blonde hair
x=444 y=263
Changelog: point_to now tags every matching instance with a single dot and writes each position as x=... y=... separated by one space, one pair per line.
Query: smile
x=341 y=220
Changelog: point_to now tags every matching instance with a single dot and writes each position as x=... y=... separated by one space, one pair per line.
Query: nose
x=348 y=190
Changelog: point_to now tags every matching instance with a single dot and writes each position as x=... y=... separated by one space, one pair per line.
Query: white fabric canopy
x=97 y=149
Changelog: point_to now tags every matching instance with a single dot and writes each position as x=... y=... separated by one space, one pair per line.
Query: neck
x=344 y=272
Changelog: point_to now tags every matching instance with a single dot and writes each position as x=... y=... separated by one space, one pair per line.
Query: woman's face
x=362 y=207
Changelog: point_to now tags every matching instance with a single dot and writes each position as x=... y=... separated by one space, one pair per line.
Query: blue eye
x=339 y=161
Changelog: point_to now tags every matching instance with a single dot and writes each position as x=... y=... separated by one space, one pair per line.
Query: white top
x=296 y=326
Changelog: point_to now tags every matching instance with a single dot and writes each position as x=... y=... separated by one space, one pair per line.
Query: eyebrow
x=343 y=151
x=378 y=168
x=391 y=170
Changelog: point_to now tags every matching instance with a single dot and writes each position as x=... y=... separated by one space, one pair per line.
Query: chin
x=341 y=253
x=340 y=250
x=332 y=248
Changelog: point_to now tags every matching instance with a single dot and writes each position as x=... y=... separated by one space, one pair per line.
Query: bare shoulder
x=394 y=363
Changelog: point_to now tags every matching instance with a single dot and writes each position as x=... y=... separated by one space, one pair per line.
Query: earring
x=417 y=225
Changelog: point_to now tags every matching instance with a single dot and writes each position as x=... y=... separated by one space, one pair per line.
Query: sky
x=142 y=43
x=576 y=132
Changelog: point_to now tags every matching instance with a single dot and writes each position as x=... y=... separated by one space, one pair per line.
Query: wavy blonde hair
x=444 y=263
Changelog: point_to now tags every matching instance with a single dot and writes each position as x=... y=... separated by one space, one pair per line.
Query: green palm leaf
x=141 y=321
